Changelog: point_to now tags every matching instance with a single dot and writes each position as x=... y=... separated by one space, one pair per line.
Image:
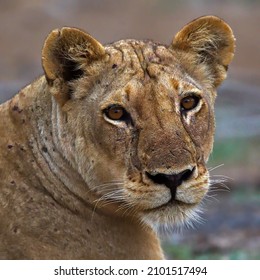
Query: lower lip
x=173 y=202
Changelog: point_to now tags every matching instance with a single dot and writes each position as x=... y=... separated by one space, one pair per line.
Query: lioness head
x=136 y=118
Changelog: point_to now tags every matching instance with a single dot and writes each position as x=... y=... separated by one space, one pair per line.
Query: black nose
x=171 y=181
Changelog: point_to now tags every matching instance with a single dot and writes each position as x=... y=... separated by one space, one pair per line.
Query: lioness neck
x=34 y=112
x=52 y=191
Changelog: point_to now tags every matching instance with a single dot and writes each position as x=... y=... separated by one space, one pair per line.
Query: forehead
x=149 y=64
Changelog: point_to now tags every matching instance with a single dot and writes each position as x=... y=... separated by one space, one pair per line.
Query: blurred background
x=231 y=227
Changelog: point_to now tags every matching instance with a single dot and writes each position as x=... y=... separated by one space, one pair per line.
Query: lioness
x=109 y=143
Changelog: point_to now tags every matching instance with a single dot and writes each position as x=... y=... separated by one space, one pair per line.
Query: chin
x=173 y=216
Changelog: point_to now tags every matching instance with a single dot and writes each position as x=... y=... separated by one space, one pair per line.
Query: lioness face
x=143 y=120
x=153 y=133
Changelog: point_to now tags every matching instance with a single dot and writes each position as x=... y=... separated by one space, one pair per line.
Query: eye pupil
x=188 y=103
x=115 y=112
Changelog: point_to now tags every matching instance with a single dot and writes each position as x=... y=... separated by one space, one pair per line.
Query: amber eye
x=189 y=103
x=115 y=112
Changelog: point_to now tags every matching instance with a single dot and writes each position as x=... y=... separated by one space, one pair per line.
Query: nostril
x=186 y=174
x=159 y=178
x=171 y=181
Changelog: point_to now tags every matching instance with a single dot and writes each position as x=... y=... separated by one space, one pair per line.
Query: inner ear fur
x=66 y=54
x=207 y=47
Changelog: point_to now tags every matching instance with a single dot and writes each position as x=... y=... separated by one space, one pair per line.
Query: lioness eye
x=189 y=102
x=115 y=112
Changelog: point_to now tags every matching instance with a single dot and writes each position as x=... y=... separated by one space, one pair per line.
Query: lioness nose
x=171 y=181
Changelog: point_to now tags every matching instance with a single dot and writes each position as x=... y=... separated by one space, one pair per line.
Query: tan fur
x=74 y=183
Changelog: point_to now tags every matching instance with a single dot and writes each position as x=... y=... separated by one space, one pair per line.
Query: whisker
x=223 y=176
x=110 y=195
x=109 y=184
x=211 y=197
x=219 y=188
x=102 y=199
x=112 y=192
x=213 y=168
x=110 y=198
x=218 y=185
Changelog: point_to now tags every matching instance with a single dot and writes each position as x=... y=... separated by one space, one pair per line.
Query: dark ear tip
x=60 y=52
x=72 y=36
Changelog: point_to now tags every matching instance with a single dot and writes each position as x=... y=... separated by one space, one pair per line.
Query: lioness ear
x=208 y=45
x=65 y=52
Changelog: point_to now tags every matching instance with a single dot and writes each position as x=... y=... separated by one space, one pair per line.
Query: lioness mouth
x=171 y=202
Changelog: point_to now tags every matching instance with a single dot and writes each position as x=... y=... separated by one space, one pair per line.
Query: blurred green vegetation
x=185 y=252
x=242 y=194
x=235 y=151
